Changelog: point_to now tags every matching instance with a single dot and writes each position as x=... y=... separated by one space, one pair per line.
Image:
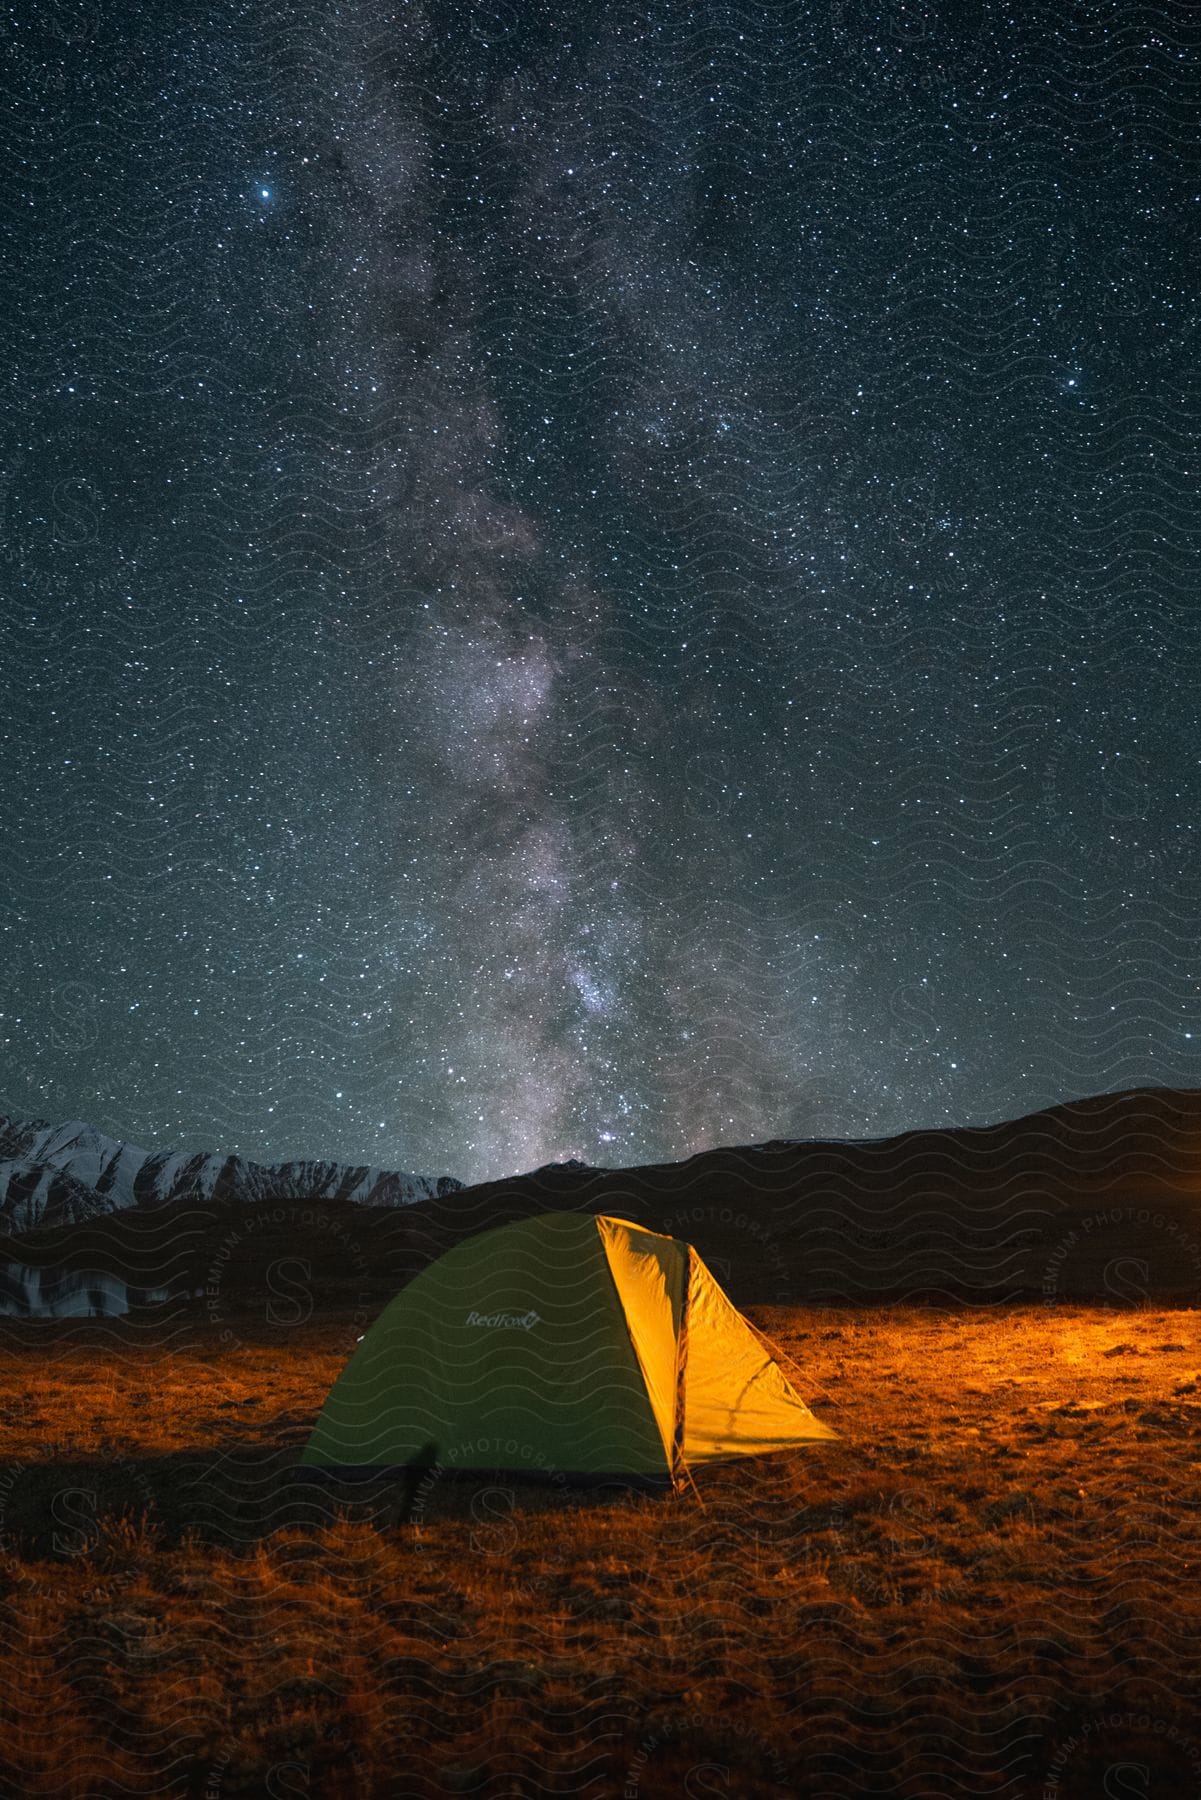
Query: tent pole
x=681 y=1365
x=693 y=1486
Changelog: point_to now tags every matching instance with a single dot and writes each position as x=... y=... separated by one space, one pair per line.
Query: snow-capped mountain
x=60 y=1174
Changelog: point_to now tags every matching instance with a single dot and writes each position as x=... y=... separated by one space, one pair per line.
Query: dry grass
x=989 y=1587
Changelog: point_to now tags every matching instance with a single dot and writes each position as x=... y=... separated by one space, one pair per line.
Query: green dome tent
x=568 y=1344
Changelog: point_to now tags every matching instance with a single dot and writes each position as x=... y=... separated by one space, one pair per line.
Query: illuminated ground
x=989 y=1587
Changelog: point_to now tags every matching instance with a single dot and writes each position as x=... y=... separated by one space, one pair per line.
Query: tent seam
x=621 y=1307
x=677 y=1441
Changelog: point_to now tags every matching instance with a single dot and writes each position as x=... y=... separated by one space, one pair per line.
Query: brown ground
x=989 y=1587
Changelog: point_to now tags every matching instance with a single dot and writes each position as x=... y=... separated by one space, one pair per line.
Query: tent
x=567 y=1344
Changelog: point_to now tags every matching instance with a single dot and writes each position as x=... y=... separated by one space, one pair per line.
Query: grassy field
x=989 y=1586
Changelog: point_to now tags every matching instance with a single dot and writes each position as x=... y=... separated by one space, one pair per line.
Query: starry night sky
x=595 y=581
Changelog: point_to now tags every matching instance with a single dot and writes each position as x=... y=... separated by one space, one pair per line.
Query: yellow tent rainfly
x=570 y=1344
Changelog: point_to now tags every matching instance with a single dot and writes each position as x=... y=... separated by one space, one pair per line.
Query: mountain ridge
x=1099 y=1197
x=72 y=1172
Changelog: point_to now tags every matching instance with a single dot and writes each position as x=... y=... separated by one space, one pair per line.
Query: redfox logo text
x=516 y=1321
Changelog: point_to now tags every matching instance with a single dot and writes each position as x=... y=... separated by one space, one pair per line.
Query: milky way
x=593 y=582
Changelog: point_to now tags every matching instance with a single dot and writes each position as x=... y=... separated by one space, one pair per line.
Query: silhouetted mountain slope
x=1097 y=1198
x=1100 y=1196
